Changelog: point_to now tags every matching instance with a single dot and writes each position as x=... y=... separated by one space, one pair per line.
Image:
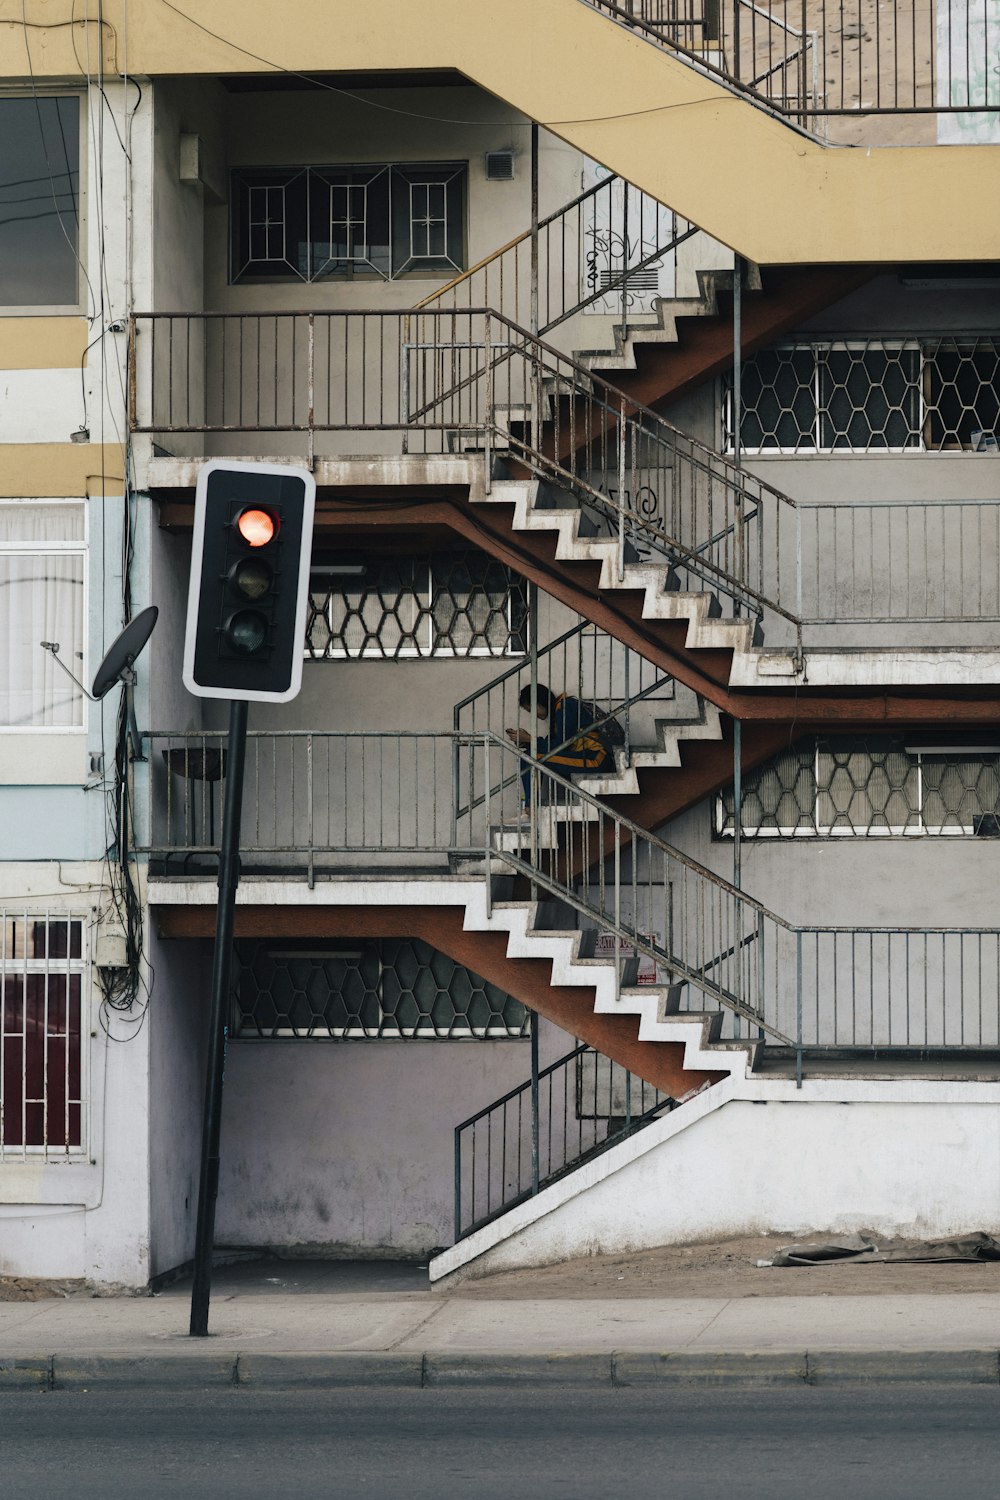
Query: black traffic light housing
x=249 y=581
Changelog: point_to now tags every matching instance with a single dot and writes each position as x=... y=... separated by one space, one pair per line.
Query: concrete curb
x=298 y=1370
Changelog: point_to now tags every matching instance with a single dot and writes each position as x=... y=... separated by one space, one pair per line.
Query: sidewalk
x=287 y=1324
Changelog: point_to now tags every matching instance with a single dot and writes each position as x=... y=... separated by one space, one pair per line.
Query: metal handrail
x=385 y=796
x=623 y=702
x=893 y=70
x=521 y=1174
x=511 y=280
x=463 y=377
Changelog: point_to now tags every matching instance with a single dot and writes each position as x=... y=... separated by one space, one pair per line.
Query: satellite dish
x=122 y=653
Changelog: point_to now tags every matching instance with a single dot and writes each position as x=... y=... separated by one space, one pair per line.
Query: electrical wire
x=413 y=114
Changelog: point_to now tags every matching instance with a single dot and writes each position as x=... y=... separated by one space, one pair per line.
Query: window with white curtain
x=42 y=555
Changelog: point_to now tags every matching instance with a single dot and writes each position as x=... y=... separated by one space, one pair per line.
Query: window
x=42 y=973
x=868 y=396
x=311 y=223
x=385 y=607
x=40 y=201
x=42 y=553
x=861 y=788
x=396 y=987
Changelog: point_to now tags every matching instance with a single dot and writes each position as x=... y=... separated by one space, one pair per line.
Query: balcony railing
x=814 y=58
x=472 y=382
x=322 y=803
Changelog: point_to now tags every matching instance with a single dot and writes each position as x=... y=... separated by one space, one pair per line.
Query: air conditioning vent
x=644 y=280
x=500 y=166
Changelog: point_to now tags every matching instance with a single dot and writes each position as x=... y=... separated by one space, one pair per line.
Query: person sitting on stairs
x=570 y=746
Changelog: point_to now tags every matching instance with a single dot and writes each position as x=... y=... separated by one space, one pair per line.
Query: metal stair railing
x=360 y=802
x=656 y=490
x=584 y=662
x=646 y=896
x=444 y=382
x=567 y=1113
x=891 y=58
x=592 y=248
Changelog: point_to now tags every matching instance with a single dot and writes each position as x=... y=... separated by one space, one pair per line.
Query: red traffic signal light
x=249 y=580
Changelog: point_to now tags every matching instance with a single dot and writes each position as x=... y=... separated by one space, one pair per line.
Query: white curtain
x=41 y=599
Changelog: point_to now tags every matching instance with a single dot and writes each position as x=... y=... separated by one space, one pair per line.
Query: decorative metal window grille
x=311 y=223
x=452 y=604
x=864 y=396
x=396 y=987
x=43 y=973
x=869 y=788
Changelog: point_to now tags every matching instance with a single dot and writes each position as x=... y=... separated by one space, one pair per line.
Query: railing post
x=798 y=1009
x=404 y=381
x=534 y=1102
x=458 y=1184
x=487 y=832
x=533 y=778
x=311 y=393
x=488 y=414
x=798 y=588
x=621 y=490
x=312 y=811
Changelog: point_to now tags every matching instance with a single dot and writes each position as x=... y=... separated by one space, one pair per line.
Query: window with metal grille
x=43 y=969
x=313 y=223
x=868 y=788
x=387 y=607
x=42 y=554
x=396 y=987
x=869 y=395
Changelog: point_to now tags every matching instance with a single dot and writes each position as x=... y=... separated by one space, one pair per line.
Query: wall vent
x=500 y=166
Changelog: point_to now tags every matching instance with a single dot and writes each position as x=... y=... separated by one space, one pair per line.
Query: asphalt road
x=541 y=1444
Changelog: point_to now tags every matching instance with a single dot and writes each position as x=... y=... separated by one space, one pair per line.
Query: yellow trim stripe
x=42 y=343
x=41 y=470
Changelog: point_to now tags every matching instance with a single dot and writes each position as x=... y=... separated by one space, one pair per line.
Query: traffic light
x=249 y=580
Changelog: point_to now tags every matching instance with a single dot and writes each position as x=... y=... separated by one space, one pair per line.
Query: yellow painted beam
x=42 y=343
x=67 y=470
x=748 y=179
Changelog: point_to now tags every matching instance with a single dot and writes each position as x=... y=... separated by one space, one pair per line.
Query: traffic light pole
x=229 y=879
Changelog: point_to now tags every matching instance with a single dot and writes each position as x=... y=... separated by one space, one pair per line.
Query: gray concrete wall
x=178 y=1034
x=346 y=1148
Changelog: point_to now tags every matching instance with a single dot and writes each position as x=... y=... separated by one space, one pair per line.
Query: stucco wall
x=919 y=1160
x=346 y=1148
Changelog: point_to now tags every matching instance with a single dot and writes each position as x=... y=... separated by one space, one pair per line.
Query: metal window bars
x=44 y=995
x=870 y=787
x=865 y=395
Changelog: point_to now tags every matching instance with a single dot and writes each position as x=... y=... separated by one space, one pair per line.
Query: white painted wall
x=346 y=1148
x=86 y=1215
x=178 y=1037
x=913 y=1158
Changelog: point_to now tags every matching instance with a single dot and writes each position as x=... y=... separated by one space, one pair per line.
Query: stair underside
x=746 y=177
x=673 y=1053
x=943 y=692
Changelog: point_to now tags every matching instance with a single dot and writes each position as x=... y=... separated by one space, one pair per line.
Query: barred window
x=382 y=221
x=42 y=986
x=865 y=788
x=396 y=987
x=387 y=607
x=872 y=395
